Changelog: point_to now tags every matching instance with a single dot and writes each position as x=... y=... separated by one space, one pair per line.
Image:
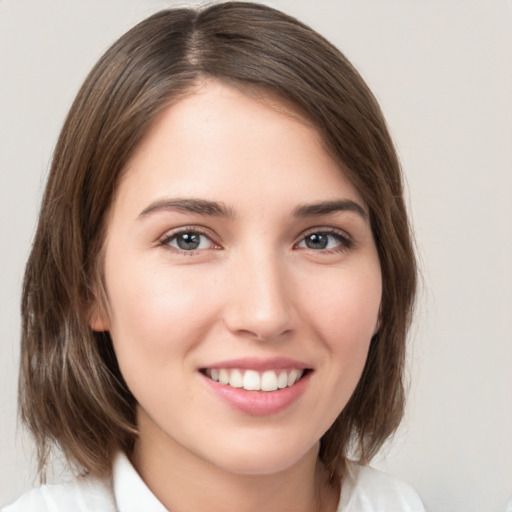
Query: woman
x=217 y=299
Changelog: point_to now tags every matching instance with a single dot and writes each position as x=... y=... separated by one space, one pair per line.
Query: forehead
x=220 y=140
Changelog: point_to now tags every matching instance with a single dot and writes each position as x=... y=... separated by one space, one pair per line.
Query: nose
x=260 y=302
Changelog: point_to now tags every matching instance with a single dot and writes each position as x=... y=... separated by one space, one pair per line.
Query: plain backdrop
x=442 y=71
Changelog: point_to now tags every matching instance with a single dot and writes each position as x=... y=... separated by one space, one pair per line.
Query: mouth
x=258 y=387
x=254 y=380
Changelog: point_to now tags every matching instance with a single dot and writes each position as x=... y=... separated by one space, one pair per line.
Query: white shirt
x=364 y=490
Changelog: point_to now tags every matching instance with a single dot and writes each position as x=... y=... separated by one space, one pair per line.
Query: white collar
x=130 y=492
x=364 y=489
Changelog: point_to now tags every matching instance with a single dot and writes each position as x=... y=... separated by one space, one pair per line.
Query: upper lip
x=258 y=364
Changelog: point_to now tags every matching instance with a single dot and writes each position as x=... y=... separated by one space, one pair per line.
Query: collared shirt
x=364 y=490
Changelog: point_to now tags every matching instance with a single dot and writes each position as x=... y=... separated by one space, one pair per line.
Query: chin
x=264 y=459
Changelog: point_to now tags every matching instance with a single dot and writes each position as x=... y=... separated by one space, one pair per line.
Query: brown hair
x=71 y=392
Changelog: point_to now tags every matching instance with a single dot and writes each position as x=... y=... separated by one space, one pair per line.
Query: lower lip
x=259 y=403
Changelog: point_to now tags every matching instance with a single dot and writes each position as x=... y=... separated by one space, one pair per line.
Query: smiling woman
x=216 y=304
x=214 y=307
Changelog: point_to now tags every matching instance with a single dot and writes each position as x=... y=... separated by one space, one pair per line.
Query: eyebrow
x=191 y=205
x=217 y=209
x=327 y=207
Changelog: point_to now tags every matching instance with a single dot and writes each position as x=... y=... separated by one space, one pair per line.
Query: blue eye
x=325 y=241
x=188 y=241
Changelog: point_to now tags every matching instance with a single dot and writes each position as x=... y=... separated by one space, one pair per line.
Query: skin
x=253 y=288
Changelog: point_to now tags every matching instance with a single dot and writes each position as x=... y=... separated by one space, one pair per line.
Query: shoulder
x=83 y=494
x=123 y=490
x=366 y=489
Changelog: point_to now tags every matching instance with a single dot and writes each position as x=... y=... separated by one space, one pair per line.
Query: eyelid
x=325 y=229
x=165 y=239
x=346 y=240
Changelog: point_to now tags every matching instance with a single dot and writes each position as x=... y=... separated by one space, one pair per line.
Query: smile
x=257 y=386
x=253 y=380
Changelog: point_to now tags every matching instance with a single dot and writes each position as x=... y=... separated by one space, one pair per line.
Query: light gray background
x=442 y=70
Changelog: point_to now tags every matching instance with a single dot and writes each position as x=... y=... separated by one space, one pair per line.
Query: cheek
x=347 y=306
x=155 y=313
x=345 y=317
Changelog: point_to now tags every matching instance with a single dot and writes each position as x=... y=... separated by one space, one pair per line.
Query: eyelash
x=345 y=243
x=168 y=238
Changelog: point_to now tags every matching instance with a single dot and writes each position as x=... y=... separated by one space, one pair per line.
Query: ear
x=98 y=319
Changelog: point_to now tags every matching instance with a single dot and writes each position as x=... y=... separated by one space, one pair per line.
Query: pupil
x=188 y=241
x=316 y=241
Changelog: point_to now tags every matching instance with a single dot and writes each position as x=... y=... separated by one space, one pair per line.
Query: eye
x=188 y=240
x=330 y=241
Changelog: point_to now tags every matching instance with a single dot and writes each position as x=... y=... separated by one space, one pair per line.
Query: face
x=243 y=283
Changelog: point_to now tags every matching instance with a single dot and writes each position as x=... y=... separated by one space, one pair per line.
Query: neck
x=182 y=482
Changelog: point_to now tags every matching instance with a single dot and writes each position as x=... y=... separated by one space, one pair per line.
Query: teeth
x=251 y=380
x=293 y=377
x=269 y=381
x=223 y=377
x=282 y=380
x=236 y=379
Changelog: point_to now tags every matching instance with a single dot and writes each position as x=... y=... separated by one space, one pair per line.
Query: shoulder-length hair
x=71 y=392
